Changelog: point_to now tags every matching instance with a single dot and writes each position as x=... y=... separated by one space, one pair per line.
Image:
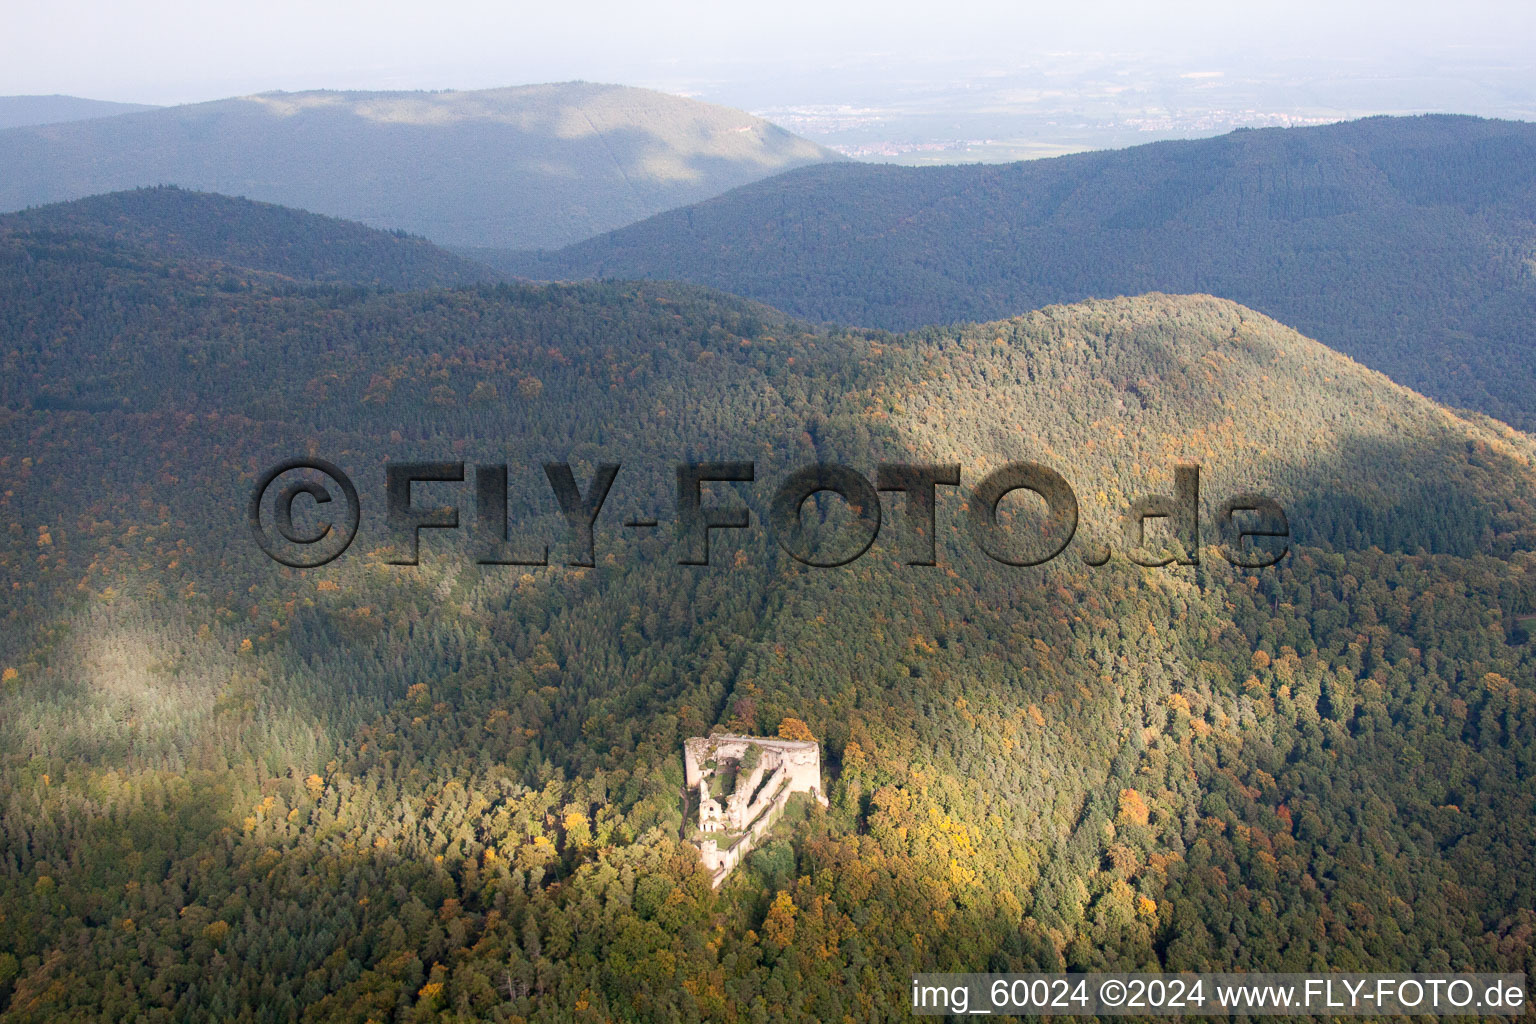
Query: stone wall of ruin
x=788 y=766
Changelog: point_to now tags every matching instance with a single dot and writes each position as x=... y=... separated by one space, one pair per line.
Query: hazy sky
x=166 y=51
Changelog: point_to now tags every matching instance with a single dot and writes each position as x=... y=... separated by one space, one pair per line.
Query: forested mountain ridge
x=249 y=236
x=450 y=791
x=1408 y=243
x=18 y=111
x=531 y=166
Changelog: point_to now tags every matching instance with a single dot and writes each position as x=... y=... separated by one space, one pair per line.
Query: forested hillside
x=367 y=791
x=538 y=165
x=198 y=226
x=1408 y=243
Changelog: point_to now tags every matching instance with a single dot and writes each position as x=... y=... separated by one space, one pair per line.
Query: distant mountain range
x=243 y=236
x=1408 y=243
x=19 y=111
x=527 y=167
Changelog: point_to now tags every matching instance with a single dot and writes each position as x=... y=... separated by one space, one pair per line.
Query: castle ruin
x=742 y=784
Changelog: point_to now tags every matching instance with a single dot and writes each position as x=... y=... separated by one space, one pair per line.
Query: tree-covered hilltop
x=453 y=792
x=200 y=226
x=523 y=167
x=1408 y=243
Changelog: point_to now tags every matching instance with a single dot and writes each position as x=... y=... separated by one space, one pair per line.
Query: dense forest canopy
x=1407 y=243
x=453 y=792
x=249 y=236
